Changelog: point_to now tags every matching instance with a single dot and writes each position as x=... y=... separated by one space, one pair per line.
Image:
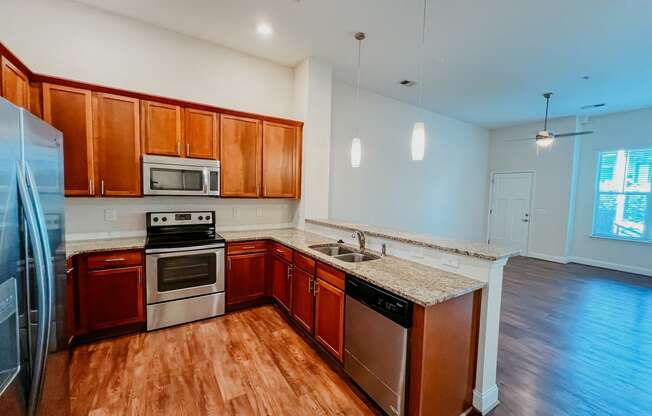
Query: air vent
x=407 y=83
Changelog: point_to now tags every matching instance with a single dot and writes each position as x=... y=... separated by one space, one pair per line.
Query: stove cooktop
x=181 y=229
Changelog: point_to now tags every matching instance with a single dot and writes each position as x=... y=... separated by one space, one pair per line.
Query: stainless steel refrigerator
x=33 y=342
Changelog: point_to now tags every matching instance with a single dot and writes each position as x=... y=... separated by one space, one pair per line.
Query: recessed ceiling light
x=264 y=29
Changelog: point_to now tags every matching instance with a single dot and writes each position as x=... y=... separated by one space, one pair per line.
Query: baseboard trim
x=485 y=402
x=548 y=257
x=612 y=266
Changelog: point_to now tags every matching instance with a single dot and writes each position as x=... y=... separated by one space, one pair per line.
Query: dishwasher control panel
x=389 y=305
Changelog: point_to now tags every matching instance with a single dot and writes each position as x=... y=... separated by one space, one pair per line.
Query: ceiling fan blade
x=520 y=140
x=578 y=133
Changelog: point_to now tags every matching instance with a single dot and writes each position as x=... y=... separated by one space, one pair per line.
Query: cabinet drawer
x=111 y=259
x=246 y=247
x=304 y=262
x=330 y=275
x=282 y=251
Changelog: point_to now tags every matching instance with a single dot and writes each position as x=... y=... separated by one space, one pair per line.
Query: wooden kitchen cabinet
x=245 y=278
x=14 y=84
x=115 y=297
x=281 y=274
x=303 y=299
x=116 y=122
x=201 y=130
x=162 y=134
x=240 y=152
x=329 y=309
x=70 y=111
x=281 y=161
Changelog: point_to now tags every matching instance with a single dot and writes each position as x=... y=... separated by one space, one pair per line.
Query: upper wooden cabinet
x=70 y=110
x=162 y=134
x=201 y=130
x=14 y=83
x=117 y=145
x=281 y=161
x=240 y=150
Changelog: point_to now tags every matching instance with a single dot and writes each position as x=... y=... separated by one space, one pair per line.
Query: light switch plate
x=236 y=211
x=109 y=214
x=259 y=212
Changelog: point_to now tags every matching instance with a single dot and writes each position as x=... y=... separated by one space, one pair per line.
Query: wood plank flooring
x=246 y=363
x=574 y=340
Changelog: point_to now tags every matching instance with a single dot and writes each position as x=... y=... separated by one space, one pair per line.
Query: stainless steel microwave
x=163 y=175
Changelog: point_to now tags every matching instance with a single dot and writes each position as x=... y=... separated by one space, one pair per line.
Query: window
x=623 y=201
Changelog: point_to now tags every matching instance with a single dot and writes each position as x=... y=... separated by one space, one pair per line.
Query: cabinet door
x=162 y=129
x=240 y=152
x=280 y=160
x=201 y=128
x=303 y=301
x=15 y=85
x=117 y=145
x=329 y=317
x=245 y=278
x=70 y=110
x=281 y=283
x=115 y=297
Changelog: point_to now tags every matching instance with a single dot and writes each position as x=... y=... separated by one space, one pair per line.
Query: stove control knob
x=208 y=218
x=201 y=218
x=155 y=219
x=164 y=219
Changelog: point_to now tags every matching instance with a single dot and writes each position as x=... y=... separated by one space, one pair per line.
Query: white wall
x=629 y=130
x=552 y=167
x=85 y=217
x=565 y=187
x=445 y=194
x=71 y=40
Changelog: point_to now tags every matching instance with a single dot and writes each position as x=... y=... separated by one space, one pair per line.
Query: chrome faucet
x=361 y=239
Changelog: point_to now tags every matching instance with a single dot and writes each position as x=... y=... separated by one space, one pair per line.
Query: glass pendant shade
x=418 y=141
x=356 y=152
x=545 y=142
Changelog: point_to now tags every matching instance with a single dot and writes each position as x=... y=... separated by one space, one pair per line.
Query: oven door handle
x=186 y=250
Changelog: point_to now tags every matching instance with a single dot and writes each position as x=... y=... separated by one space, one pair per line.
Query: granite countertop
x=424 y=285
x=105 y=244
x=465 y=248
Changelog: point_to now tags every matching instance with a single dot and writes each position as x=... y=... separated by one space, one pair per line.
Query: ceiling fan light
x=356 y=152
x=545 y=142
x=418 y=141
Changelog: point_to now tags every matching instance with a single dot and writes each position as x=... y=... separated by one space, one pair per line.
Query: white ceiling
x=487 y=61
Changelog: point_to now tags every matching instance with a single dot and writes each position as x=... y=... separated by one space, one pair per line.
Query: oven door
x=161 y=179
x=178 y=273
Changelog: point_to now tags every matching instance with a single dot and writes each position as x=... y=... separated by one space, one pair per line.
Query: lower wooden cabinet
x=245 y=278
x=329 y=317
x=115 y=297
x=303 y=299
x=281 y=281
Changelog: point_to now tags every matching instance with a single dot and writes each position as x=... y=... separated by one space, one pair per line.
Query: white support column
x=485 y=394
x=312 y=104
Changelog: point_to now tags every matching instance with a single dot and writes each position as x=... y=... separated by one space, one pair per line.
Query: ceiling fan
x=545 y=138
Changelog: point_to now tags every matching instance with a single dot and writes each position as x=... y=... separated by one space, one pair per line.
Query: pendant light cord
x=360 y=38
x=423 y=43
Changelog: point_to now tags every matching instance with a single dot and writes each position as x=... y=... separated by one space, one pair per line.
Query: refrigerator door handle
x=40 y=265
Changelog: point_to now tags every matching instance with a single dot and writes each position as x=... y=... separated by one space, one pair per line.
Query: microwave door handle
x=207 y=176
x=43 y=333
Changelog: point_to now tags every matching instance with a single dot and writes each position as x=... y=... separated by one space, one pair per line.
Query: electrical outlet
x=236 y=211
x=259 y=212
x=109 y=214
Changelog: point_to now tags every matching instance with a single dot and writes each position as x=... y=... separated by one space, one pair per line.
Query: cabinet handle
x=102 y=186
x=315 y=289
x=310 y=286
x=248 y=247
x=179 y=148
x=187 y=149
x=114 y=259
x=91 y=186
x=278 y=250
x=229 y=264
x=264 y=190
x=290 y=272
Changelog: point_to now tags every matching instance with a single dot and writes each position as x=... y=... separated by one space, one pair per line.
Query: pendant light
x=356 y=145
x=418 y=145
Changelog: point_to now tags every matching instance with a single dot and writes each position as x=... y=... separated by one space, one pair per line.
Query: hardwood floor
x=574 y=340
x=245 y=363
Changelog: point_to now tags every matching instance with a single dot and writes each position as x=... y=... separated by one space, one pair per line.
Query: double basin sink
x=344 y=253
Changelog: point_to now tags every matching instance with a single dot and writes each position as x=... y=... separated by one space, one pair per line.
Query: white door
x=509 y=215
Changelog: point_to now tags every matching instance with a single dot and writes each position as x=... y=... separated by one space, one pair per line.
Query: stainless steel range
x=184 y=268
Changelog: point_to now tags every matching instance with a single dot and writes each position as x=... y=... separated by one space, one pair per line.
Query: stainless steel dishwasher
x=376 y=335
